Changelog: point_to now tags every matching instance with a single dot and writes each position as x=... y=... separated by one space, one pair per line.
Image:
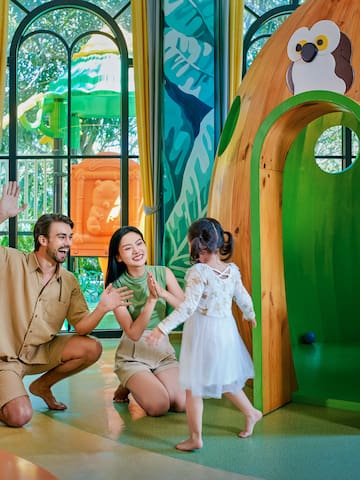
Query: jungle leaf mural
x=196 y=17
x=192 y=203
x=190 y=63
x=189 y=144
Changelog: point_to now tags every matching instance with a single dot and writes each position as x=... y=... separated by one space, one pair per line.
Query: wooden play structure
x=295 y=227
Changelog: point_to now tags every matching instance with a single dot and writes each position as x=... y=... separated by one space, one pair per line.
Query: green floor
x=328 y=374
x=96 y=439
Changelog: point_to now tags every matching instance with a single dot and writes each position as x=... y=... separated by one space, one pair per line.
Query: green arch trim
x=332 y=102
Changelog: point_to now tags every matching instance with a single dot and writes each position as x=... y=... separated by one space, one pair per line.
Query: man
x=36 y=295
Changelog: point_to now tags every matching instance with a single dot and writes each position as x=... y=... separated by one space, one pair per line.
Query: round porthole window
x=336 y=149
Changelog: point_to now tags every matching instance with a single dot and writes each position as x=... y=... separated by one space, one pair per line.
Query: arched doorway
x=292 y=298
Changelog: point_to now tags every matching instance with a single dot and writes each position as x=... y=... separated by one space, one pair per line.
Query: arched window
x=69 y=128
x=261 y=19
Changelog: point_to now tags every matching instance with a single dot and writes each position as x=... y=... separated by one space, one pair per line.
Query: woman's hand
x=154 y=287
x=154 y=337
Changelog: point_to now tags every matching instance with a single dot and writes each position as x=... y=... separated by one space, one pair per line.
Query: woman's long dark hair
x=115 y=268
x=207 y=235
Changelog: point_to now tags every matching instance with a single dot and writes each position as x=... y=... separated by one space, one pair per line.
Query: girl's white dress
x=213 y=356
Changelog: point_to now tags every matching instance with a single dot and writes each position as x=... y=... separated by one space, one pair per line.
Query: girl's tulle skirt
x=213 y=357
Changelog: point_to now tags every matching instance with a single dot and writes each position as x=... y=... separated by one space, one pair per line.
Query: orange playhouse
x=96 y=204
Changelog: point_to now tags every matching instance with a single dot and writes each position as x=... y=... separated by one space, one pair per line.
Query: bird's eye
x=300 y=45
x=322 y=42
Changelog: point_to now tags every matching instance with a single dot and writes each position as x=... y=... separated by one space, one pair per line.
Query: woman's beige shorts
x=133 y=357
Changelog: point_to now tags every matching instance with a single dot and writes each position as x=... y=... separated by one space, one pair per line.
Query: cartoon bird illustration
x=321 y=59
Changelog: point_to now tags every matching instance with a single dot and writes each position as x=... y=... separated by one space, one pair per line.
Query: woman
x=150 y=375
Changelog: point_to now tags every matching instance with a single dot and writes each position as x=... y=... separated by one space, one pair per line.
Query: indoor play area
x=155 y=114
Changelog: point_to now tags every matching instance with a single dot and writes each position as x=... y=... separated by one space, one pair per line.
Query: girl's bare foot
x=250 y=422
x=45 y=393
x=121 y=394
x=135 y=410
x=189 y=445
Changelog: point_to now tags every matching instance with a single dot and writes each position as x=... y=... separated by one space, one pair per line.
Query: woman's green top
x=141 y=293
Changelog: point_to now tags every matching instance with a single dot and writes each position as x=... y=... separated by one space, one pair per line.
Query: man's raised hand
x=9 y=201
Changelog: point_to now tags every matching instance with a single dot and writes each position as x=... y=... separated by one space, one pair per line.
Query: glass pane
x=132 y=126
x=41 y=118
x=4 y=134
x=91 y=271
x=330 y=142
x=262 y=6
x=4 y=227
x=95 y=96
x=4 y=172
x=69 y=23
x=271 y=26
x=254 y=50
x=125 y=24
x=113 y=7
x=329 y=150
x=15 y=17
x=36 y=177
x=330 y=165
x=355 y=144
x=31 y=4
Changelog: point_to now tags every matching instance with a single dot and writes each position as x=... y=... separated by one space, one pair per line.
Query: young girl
x=150 y=376
x=213 y=357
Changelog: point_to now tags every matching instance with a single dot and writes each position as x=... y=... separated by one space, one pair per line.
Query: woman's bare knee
x=158 y=407
x=150 y=393
x=17 y=412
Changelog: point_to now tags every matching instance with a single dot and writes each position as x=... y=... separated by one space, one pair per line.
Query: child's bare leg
x=252 y=416
x=194 y=412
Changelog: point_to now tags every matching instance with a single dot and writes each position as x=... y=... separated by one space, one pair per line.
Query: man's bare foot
x=45 y=393
x=189 y=445
x=121 y=394
x=250 y=422
x=135 y=410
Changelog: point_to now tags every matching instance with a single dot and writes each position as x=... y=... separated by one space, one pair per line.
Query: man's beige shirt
x=31 y=314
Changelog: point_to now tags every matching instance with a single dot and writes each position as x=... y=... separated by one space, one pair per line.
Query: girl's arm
x=244 y=300
x=193 y=292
